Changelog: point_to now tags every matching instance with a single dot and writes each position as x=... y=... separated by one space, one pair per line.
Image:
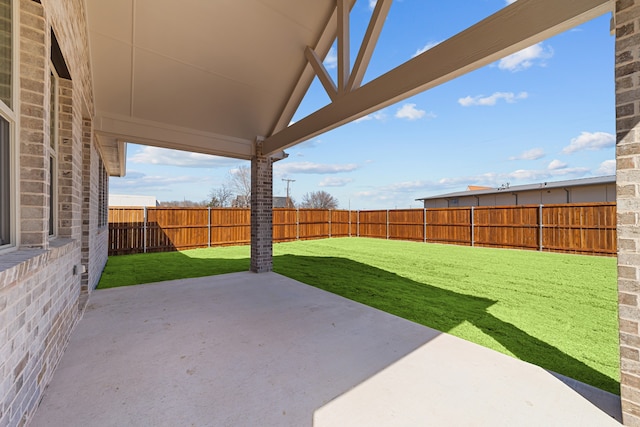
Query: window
x=103 y=202
x=5 y=183
x=53 y=153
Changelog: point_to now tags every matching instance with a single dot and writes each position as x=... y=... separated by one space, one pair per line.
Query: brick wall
x=261 y=212
x=41 y=281
x=94 y=237
x=70 y=173
x=38 y=295
x=33 y=135
x=67 y=18
x=627 y=75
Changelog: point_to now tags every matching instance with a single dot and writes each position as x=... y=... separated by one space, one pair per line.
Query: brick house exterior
x=627 y=78
x=54 y=173
x=55 y=242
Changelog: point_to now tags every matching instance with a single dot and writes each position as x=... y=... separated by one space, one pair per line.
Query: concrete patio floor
x=263 y=350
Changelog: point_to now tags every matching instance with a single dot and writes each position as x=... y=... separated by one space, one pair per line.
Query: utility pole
x=289 y=181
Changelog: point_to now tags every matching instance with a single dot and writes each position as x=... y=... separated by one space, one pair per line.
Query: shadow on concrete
x=238 y=349
x=440 y=309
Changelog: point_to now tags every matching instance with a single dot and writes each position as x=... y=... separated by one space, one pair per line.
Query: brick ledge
x=16 y=265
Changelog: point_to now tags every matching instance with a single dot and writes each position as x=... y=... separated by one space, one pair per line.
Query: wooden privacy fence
x=587 y=228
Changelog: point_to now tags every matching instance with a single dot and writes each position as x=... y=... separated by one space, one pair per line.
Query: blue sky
x=543 y=114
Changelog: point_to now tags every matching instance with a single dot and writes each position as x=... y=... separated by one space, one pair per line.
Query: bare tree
x=319 y=200
x=220 y=197
x=291 y=202
x=240 y=184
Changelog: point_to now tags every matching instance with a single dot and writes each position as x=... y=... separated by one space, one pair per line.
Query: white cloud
x=508 y=2
x=555 y=169
x=491 y=100
x=378 y=115
x=426 y=48
x=166 y=157
x=313 y=168
x=608 y=167
x=405 y=191
x=331 y=60
x=372 y=4
x=335 y=182
x=140 y=183
x=410 y=112
x=533 y=154
x=526 y=58
x=591 y=141
x=557 y=164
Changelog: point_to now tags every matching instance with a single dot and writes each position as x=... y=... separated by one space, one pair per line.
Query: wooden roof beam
x=369 y=41
x=511 y=29
x=325 y=40
x=321 y=72
x=344 y=60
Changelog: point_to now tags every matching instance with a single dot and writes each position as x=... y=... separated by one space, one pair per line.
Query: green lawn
x=557 y=311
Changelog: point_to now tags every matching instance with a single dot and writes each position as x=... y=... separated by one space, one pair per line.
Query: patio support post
x=627 y=78
x=261 y=211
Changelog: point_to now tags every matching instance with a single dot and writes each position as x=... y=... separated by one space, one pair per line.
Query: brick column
x=261 y=212
x=69 y=162
x=33 y=133
x=627 y=75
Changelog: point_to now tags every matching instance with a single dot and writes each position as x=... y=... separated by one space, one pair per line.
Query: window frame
x=9 y=210
x=52 y=148
x=9 y=113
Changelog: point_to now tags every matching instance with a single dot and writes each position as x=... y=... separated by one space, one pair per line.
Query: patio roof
x=203 y=76
x=216 y=76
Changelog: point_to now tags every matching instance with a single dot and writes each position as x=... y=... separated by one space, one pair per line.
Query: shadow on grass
x=433 y=307
x=157 y=267
x=422 y=303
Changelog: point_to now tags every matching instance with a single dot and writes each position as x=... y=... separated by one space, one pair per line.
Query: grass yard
x=557 y=311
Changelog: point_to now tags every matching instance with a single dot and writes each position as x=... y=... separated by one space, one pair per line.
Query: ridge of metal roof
x=607 y=179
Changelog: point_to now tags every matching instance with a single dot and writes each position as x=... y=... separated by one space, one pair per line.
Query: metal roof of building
x=608 y=179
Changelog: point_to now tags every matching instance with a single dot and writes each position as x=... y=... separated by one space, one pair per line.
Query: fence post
x=349 y=222
x=144 y=231
x=209 y=227
x=424 y=221
x=297 y=223
x=540 y=225
x=358 y=223
x=387 y=224
x=473 y=240
x=329 y=223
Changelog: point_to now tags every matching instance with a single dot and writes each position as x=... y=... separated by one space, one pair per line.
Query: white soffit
x=201 y=75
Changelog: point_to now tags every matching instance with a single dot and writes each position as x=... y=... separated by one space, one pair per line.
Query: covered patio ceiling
x=214 y=77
